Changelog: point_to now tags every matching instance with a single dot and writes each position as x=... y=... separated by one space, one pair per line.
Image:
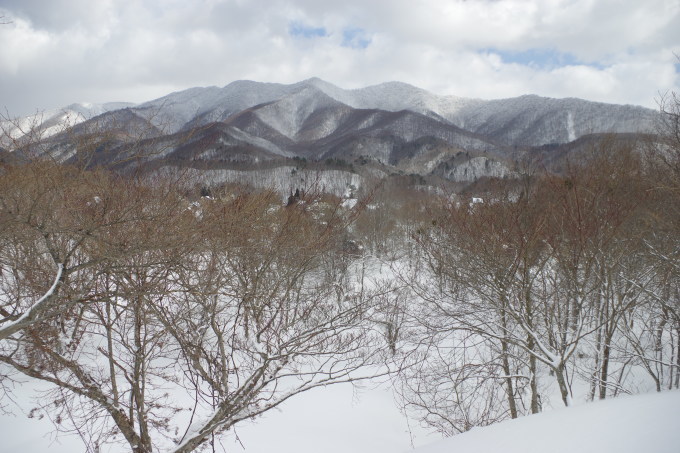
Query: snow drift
x=629 y=424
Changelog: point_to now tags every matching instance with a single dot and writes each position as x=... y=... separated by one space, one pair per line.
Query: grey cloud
x=63 y=51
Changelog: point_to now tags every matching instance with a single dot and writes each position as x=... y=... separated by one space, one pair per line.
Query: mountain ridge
x=179 y=108
x=397 y=126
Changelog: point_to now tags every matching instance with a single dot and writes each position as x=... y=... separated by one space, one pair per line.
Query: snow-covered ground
x=336 y=419
x=629 y=424
x=343 y=419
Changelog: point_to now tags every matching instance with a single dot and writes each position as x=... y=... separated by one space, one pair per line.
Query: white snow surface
x=340 y=419
x=570 y=127
x=334 y=419
x=628 y=424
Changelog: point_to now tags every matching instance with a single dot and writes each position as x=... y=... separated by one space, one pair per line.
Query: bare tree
x=653 y=329
x=523 y=283
x=92 y=227
x=184 y=319
x=52 y=218
x=468 y=282
x=265 y=320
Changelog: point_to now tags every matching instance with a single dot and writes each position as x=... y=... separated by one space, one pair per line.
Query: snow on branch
x=32 y=315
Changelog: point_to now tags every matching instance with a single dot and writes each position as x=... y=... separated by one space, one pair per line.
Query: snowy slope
x=534 y=120
x=526 y=120
x=289 y=114
x=340 y=419
x=335 y=419
x=175 y=110
x=395 y=96
x=51 y=122
x=629 y=424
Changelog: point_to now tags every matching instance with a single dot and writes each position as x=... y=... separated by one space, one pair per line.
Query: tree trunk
x=604 y=371
x=535 y=402
x=533 y=383
x=562 y=383
x=512 y=404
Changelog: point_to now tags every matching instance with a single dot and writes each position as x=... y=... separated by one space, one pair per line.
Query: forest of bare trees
x=554 y=282
x=164 y=321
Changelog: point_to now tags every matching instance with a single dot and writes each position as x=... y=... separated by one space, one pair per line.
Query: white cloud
x=63 y=51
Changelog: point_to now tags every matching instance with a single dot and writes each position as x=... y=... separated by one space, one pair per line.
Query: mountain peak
x=395 y=84
x=314 y=81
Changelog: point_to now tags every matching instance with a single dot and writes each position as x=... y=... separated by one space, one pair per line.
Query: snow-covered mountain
x=51 y=122
x=534 y=121
x=394 y=125
x=525 y=120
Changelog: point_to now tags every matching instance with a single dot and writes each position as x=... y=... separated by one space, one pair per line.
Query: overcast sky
x=56 y=52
